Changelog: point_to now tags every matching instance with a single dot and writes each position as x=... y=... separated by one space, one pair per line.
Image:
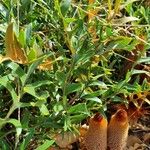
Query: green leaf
x=128 y=3
x=65 y=4
x=93 y=96
x=57 y=7
x=22 y=38
x=78 y=109
x=27 y=140
x=69 y=20
x=73 y=87
x=39 y=83
x=98 y=83
x=28 y=33
x=43 y=95
x=135 y=71
x=116 y=99
x=46 y=145
x=94 y=99
x=17 y=70
x=44 y=110
x=78 y=118
x=32 y=55
x=32 y=67
x=144 y=60
x=61 y=77
x=25 y=119
x=6 y=83
x=4 y=145
x=17 y=124
x=125 y=43
x=3 y=27
x=2 y=122
x=58 y=107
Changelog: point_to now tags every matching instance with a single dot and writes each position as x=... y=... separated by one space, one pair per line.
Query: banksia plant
x=118 y=130
x=96 y=137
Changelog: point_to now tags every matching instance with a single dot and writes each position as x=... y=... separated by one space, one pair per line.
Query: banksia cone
x=96 y=136
x=118 y=130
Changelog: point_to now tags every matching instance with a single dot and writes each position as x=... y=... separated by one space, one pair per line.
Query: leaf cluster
x=61 y=61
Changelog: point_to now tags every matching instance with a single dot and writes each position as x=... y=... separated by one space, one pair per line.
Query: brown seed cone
x=118 y=130
x=96 y=136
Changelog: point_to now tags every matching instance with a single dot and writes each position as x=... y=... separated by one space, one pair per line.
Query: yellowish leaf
x=14 y=51
x=19 y=52
x=46 y=65
x=9 y=38
x=92 y=12
x=117 y=6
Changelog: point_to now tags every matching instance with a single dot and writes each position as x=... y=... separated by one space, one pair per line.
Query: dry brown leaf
x=83 y=130
x=138 y=146
x=146 y=138
x=132 y=140
x=14 y=51
x=91 y=15
x=91 y=12
x=66 y=139
x=9 y=42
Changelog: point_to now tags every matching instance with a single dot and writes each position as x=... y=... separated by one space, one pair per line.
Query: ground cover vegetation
x=64 y=60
